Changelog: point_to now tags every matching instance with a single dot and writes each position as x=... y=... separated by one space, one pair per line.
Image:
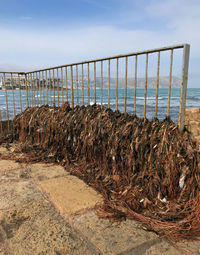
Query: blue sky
x=46 y=33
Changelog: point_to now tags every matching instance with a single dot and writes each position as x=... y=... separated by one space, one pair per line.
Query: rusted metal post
x=46 y=83
x=157 y=84
x=4 y=82
x=117 y=62
x=170 y=83
x=34 y=87
x=50 y=87
x=125 y=91
x=82 y=84
x=101 y=83
x=37 y=84
x=20 y=93
x=1 y=126
x=27 y=103
x=43 y=88
x=54 y=100
x=135 y=85
x=62 y=84
x=40 y=89
x=145 y=89
x=58 y=87
x=66 y=84
x=109 y=83
x=95 y=85
x=77 y=84
x=27 y=81
x=72 y=88
x=31 y=89
x=183 y=91
x=13 y=95
x=88 y=80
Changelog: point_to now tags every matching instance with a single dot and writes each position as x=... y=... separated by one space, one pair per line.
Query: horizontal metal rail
x=114 y=57
x=46 y=86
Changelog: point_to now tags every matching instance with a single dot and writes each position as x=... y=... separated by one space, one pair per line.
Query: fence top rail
x=20 y=73
x=179 y=46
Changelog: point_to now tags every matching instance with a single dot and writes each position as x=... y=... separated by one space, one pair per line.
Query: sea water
x=17 y=99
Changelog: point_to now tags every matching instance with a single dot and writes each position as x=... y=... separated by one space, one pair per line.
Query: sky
x=41 y=33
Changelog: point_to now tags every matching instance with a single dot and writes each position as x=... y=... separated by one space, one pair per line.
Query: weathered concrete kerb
x=45 y=210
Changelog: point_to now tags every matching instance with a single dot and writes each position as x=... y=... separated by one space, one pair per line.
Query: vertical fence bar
x=50 y=87
x=30 y=96
x=82 y=85
x=125 y=91
x=34 y=87
x=1 y=126
x=58 y=88
x=46 y=83
x=40 y=89
x=20 y=93
x=95 y=84
x=170 y=83
x=13 y=95
x=27 y=89
x=101 y=83
x=145 y=89
x=4 y=81
x=117 y=76
x=135 y=84
x=36 y=77
x=43 y=102
x=72 y=88
x=31 y=88
x=29 y=92
x=77 y=84
x=157 y=84
x=54 y=100
x=183 y=91
x=66 y=84
x=88 y=80
x=27 y=104
x=109 y=83
x=61 y=70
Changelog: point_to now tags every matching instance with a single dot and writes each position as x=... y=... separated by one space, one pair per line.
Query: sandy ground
x=45 y=210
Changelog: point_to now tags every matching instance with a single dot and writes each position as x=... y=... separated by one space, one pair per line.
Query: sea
x=17 y=100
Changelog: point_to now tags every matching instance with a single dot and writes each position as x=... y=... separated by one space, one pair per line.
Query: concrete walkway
x=45 y=210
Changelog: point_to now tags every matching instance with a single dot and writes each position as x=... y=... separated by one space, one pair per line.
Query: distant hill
x=163 y=82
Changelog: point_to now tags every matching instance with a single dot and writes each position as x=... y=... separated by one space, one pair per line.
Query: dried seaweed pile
x=146 y=170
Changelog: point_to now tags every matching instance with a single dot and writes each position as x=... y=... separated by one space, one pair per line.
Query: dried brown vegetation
x=146 y=170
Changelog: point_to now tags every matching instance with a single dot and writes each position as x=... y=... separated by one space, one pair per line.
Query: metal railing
x=76 y=82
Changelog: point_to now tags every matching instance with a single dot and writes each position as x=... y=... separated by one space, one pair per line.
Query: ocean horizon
x=193 y=100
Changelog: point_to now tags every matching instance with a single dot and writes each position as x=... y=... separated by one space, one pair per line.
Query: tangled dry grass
x=145 y=170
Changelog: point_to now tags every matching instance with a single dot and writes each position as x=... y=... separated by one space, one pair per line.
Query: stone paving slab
x=70 y=194
x=42 y=171
x=124 y=238
x=33 y=225
x=8 y=165
x=36 y=228
x=153 y=247
x=14 y=194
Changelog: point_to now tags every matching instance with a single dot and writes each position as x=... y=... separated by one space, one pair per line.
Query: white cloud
x=43 y=48
x=64 y=46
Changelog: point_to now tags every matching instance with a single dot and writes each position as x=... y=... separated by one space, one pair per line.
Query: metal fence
x=78 y=83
